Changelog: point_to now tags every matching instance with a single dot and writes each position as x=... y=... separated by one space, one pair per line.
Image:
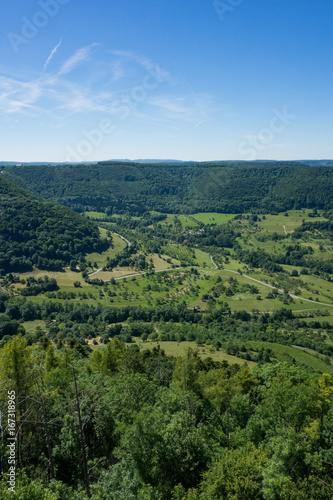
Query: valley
x=219 y=322
x=244 y=265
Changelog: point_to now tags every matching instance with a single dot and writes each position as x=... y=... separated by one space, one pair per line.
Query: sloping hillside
x=40 y=233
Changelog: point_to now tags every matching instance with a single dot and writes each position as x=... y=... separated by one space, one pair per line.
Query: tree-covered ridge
x=228 y=187
x=120 y=423
x=42 y=234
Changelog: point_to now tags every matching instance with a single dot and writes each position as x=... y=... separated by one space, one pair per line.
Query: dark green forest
x=227 y=187
x=41 y=233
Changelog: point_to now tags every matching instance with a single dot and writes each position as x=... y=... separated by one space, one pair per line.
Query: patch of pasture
x=101 y=258
x=213 y=218
x=177 y=349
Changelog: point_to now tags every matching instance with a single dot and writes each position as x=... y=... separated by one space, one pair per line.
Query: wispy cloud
x=143 y=61
x=193 y=109
x=53 y=52
x=113 y=81
x=80 y=56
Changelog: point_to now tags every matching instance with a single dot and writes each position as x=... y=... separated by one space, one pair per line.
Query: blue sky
x=190 y=80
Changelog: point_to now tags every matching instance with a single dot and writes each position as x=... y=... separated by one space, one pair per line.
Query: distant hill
x=42 y=234
x=323 y=163
x=4 y=163
x=231 y=187
x=148 y=161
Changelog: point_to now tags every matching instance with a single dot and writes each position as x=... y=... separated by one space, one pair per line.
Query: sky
x=198 y=80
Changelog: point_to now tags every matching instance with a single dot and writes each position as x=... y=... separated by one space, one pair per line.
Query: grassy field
x=321 y=319
x=169 y=221
x=64 y=279
x=30 y=326
x=213 y=218
x=254 y=232
x=304 y=357
x=203 y=259
x=101 y=259
x=146 y=290
x=286 y=353
x=160 y=263
x=116 y=273
x=96 y=215
x=179 y=252
x=275 y=223
x=188 y=223
x=179 y=349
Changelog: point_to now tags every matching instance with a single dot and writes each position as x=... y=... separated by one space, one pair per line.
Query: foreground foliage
x=125 y=423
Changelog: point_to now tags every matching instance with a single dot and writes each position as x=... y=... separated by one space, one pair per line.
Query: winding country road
x=268 y=285
x=279 y=289
x=216 y=267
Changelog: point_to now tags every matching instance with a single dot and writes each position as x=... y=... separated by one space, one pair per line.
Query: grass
x=178 y=252
x=321 y=319
x=286 y=353
x=179 y=349
x=203 y=259
x=95 y=215
x=169 y=221
x=191 y=290
x=213 y=218
x=186 y=222
x=275 y=223
x=160 y=263
x=30 y=326
x=101 y=258
x=64 y=279
x=117 y=272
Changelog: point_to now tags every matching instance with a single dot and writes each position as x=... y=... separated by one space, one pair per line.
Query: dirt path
x=216 y=267
x=285 y=231
x=129 y=244
x=281 y=291
x=270 y=286
x=214 y=263
x=95 y=272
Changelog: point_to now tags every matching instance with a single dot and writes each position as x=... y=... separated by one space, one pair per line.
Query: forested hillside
x=228 y=187
x=42 y=234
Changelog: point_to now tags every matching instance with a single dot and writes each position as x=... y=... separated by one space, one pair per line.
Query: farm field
x=187 y=222
x=189 y=291
x=95 y=215
x=64 y=279
x=294 y=219
x=313 y=318
x=213 y=218
x=203 y=259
